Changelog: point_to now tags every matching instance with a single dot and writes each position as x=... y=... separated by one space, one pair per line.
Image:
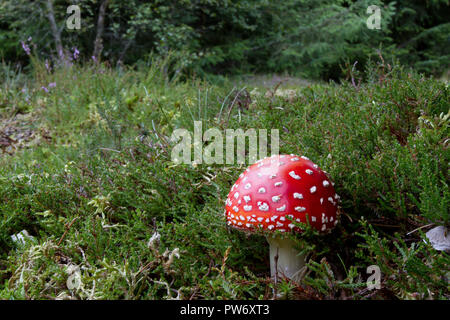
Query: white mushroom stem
x=285 y=258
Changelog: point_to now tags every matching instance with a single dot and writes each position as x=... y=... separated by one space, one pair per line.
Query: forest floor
x=92 y=207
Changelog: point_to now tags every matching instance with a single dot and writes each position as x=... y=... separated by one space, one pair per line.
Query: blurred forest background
x=88 y=190
x=307 y=38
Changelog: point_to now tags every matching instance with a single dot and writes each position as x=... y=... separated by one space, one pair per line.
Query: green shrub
x=94 y=193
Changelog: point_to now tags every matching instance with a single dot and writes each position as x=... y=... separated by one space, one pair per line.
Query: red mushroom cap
x=274 y=192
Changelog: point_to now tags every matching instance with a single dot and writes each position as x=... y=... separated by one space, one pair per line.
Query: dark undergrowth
x=93 y=184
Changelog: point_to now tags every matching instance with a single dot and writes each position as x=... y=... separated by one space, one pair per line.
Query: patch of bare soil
x=21 y=131
x=270 y=81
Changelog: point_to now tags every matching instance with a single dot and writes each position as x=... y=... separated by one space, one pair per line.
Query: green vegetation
x=85 y=169
x=307 y=38
x=92 y=207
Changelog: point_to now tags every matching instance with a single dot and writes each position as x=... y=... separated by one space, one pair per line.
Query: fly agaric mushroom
x=276 y=193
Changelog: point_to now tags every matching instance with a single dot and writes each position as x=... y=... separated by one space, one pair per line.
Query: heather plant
x=109 y=215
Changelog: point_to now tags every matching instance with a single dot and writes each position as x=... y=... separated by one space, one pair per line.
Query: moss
x=101 y=184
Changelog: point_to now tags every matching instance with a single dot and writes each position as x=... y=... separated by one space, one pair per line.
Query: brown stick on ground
x=276 y=276
x=67 y=230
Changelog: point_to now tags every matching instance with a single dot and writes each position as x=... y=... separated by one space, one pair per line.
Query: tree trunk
x=98 y=43
x=56 y=33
